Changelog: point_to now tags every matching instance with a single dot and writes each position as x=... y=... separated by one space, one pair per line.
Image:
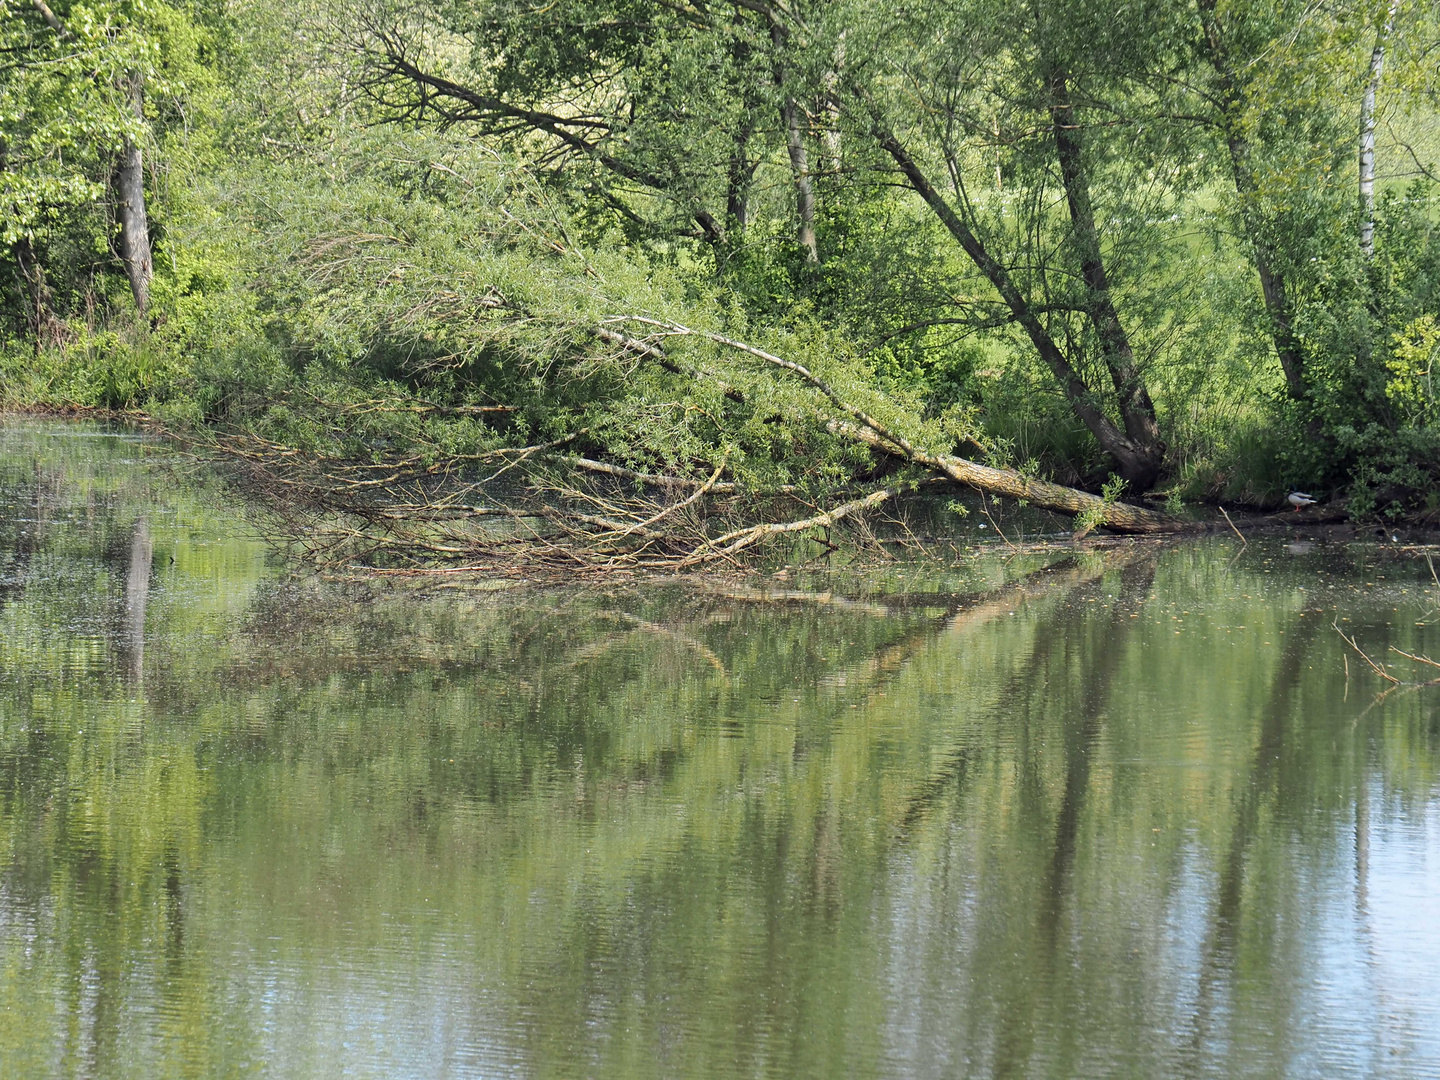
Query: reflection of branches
x=1081 y=733
x=1379 y=669
x=800 y=596
x=675 y=635
x=1065 y=577
x=1217 y=948
x=1397 y=691
x=1434 y=608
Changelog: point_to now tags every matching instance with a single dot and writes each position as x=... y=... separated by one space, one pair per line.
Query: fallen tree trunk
x=1116 y=516
x=548 y=507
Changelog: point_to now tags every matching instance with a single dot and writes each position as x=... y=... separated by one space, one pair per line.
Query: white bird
x=1299 y=500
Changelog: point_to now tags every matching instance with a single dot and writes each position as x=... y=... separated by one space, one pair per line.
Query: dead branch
x=1379 y=669
x=1232 y=525
x=740 y=539
x=1417 y=659
x=721 y=487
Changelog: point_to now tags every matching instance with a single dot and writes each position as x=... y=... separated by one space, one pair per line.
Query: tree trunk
x=799 y=165
x=737 y=178
x=1367 y=135
x=804 y=192
x=1136 y=409
x=51 y=20
x=865 y=428
x=1272 y=285
x=134 y=240
x=1115 y=516
x=1137 y=464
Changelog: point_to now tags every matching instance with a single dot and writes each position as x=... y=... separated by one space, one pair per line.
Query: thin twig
x=1379 y=669
x=985 y=509
x=1232 y=525
x=1417 y=659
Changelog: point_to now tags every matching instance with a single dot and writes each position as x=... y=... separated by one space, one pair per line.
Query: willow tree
x=1053 y=102
x=671 y=111
x=1270 y=80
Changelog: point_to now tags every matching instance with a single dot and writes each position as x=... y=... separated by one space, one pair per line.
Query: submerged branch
x=1379 y=669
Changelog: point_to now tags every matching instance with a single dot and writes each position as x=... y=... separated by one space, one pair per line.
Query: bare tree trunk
x=800 y=169
x=799 y=164
x=1116 y=516
x=134 y=241
x=50 y=18
x=1136 y=463
x=1136 y=408
x=1272 y=284
x=1367 y=135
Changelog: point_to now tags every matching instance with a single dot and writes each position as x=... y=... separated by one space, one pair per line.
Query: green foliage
x=1411 y=386
x=1093 y=517
x=64 y=117
x=342 y=261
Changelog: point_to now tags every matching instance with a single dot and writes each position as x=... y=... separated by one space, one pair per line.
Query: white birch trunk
x=1367 y=135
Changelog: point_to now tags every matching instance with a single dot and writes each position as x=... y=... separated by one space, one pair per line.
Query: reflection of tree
x=1264 y=786
x=137 y=592
x=659 y=820
x=396 y=690
x=1058 y=583
x=1102 y=648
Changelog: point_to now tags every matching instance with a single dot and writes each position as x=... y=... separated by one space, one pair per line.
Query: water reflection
x=137 y=592
x=1104 y=813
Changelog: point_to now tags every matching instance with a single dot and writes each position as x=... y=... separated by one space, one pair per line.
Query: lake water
x=1135 y=812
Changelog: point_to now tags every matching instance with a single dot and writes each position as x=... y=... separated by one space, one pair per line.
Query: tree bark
x=134 y=240
x=829 y=108
x=1273 y=289
x=51 y=20
x=1137 y=464
x=1136 y=409
x=1367 y=135
x=737 y=178
x=795 y=147
x=1115 y=516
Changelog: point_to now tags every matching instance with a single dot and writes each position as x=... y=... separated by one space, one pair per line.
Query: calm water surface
x=1105 y=814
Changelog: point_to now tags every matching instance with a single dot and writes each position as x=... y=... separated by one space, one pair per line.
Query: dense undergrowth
x=346 y=276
